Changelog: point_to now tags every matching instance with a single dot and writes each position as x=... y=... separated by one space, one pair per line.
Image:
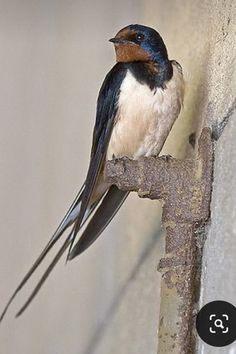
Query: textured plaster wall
x=219 y=264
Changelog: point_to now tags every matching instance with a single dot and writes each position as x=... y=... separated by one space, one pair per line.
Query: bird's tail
x=65 y=223
x=107 y=209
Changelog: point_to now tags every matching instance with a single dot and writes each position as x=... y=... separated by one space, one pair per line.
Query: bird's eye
x=139 y=36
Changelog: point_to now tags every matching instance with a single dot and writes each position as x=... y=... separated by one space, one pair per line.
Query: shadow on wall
x=198 y=97
x=101 y=328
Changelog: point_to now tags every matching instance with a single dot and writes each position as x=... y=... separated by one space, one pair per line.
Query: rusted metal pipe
x=184 y=186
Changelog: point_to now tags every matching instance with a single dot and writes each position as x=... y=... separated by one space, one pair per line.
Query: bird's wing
x=80 y=209
x=107 y=107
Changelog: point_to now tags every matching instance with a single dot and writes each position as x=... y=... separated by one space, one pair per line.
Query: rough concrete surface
x=219 y=262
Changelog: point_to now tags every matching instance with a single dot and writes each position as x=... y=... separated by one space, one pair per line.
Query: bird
x=138 y=103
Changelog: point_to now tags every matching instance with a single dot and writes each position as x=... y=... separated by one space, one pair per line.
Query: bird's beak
x=116 y=40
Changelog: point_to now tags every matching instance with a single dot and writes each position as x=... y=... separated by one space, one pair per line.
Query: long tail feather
x=91 y=180
x=54 y=262
x=45 y=275
x=30 y=272
x=101 y=218
x=65 y=223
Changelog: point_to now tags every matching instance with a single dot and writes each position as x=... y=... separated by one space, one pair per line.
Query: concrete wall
x=54 y=56
x=203 y=36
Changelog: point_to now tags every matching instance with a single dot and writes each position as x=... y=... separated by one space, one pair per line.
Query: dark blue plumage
x=107 y=101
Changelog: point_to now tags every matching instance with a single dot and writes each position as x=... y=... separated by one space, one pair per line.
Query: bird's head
x=139 y=43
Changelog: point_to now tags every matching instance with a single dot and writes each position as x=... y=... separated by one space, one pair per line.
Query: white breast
x=145 y=117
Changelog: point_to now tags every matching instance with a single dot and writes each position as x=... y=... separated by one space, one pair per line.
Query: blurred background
x=54 y=56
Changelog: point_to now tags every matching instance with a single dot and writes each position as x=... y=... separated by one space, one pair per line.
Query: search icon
x=218 y=323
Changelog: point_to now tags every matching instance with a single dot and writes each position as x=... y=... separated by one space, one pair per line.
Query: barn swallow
x=138 y=103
